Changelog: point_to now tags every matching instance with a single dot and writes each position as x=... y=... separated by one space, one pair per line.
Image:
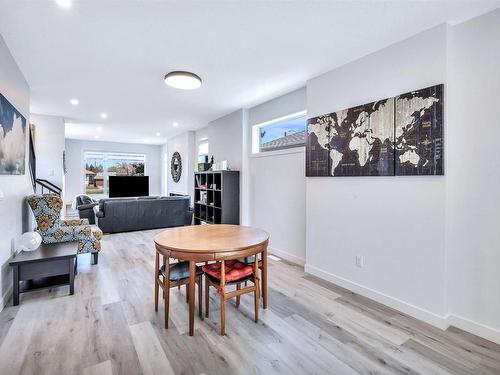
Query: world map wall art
x=398 y=136
x=12 y=139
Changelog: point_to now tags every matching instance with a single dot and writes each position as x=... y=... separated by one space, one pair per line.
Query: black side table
x=49 y=265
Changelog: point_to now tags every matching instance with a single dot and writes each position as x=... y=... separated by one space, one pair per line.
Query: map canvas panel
x=12 y=139
x=317 y=147
x=419 y=132
x=361 y=140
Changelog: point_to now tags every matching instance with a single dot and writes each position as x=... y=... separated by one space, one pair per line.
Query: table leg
x=192 y=281
x=264 y=278
x=72 y=276
x=15 y=291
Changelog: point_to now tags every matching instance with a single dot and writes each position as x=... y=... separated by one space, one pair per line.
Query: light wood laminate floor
x=311 y=327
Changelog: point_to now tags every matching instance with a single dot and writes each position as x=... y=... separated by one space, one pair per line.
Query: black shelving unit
x=217 y=197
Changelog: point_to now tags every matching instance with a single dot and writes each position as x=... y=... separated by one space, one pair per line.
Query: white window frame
x=105 y=182
x=256 y=134
x=202 y=141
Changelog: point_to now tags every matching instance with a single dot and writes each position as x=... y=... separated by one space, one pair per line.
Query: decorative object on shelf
x=402 y=135
x=202 y=167
x=221 y=166
x=203 y=197
x=176 y=166
x=30 y=241
x=12 y=139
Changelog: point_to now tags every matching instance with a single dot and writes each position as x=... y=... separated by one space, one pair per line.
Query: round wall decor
x=176 y=166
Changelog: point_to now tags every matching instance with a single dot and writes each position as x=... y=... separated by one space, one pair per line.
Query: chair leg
x=238 y=287
x=187 y=293
x=256 y=301
x=200 y=292
x=166 y=288
x=95 y=258
x=222 y=314
x=157 y=260
x=259 y=283
x=166 y=297
x=207 y=298
x=256 y=284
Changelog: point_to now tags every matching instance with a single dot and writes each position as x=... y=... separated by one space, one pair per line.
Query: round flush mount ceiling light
x=175 y=124
x=74 y=101
x=104 y=115
x=183 y=80
x=66 y=4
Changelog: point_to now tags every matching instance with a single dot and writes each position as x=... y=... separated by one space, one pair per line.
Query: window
x=100 y=165
x=282 y=133
x=202 y=150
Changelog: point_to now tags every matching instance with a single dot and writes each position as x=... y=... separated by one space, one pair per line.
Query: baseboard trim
x=6 y=298
x=287 y=256
x=477 y=329
x=435 y=320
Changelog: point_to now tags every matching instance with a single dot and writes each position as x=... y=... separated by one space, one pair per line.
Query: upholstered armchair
x=47 y=211
x=85 y=206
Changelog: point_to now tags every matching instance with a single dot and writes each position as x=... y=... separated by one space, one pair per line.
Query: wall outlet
x=360 y=261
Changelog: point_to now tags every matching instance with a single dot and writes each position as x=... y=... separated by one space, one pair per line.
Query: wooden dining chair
x=231 y=272
x=250 y=260
x=169 y=275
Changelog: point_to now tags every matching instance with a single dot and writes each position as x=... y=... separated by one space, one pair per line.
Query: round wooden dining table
x=202 y=243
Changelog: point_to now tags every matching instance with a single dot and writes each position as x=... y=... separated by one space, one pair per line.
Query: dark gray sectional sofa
x=129 y=214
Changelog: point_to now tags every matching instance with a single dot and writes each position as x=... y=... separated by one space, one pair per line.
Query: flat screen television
x=128 y=186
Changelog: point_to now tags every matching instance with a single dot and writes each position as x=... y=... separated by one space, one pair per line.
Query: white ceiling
x=112 y=55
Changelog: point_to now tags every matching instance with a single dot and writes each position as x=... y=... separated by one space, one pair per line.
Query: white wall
x=225 y=139
x=184 y=145
x=226 y=142
x=473 y=175
x=49 y=147
x=75 y=179
x=165 y=169
x=396 y=223
x=278 y=184
x=14 y=213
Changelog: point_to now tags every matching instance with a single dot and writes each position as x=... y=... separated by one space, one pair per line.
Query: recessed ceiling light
x=175 y=124
x=99 y=128
x=104 y=115
x=74 y=101
x=183 y=80
x=64 y=3
x=96 y=137
x=158 y=134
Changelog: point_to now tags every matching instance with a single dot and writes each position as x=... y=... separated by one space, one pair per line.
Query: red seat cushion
x=235 y=270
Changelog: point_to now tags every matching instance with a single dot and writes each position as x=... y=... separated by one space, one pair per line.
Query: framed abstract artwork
x=12 y=139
